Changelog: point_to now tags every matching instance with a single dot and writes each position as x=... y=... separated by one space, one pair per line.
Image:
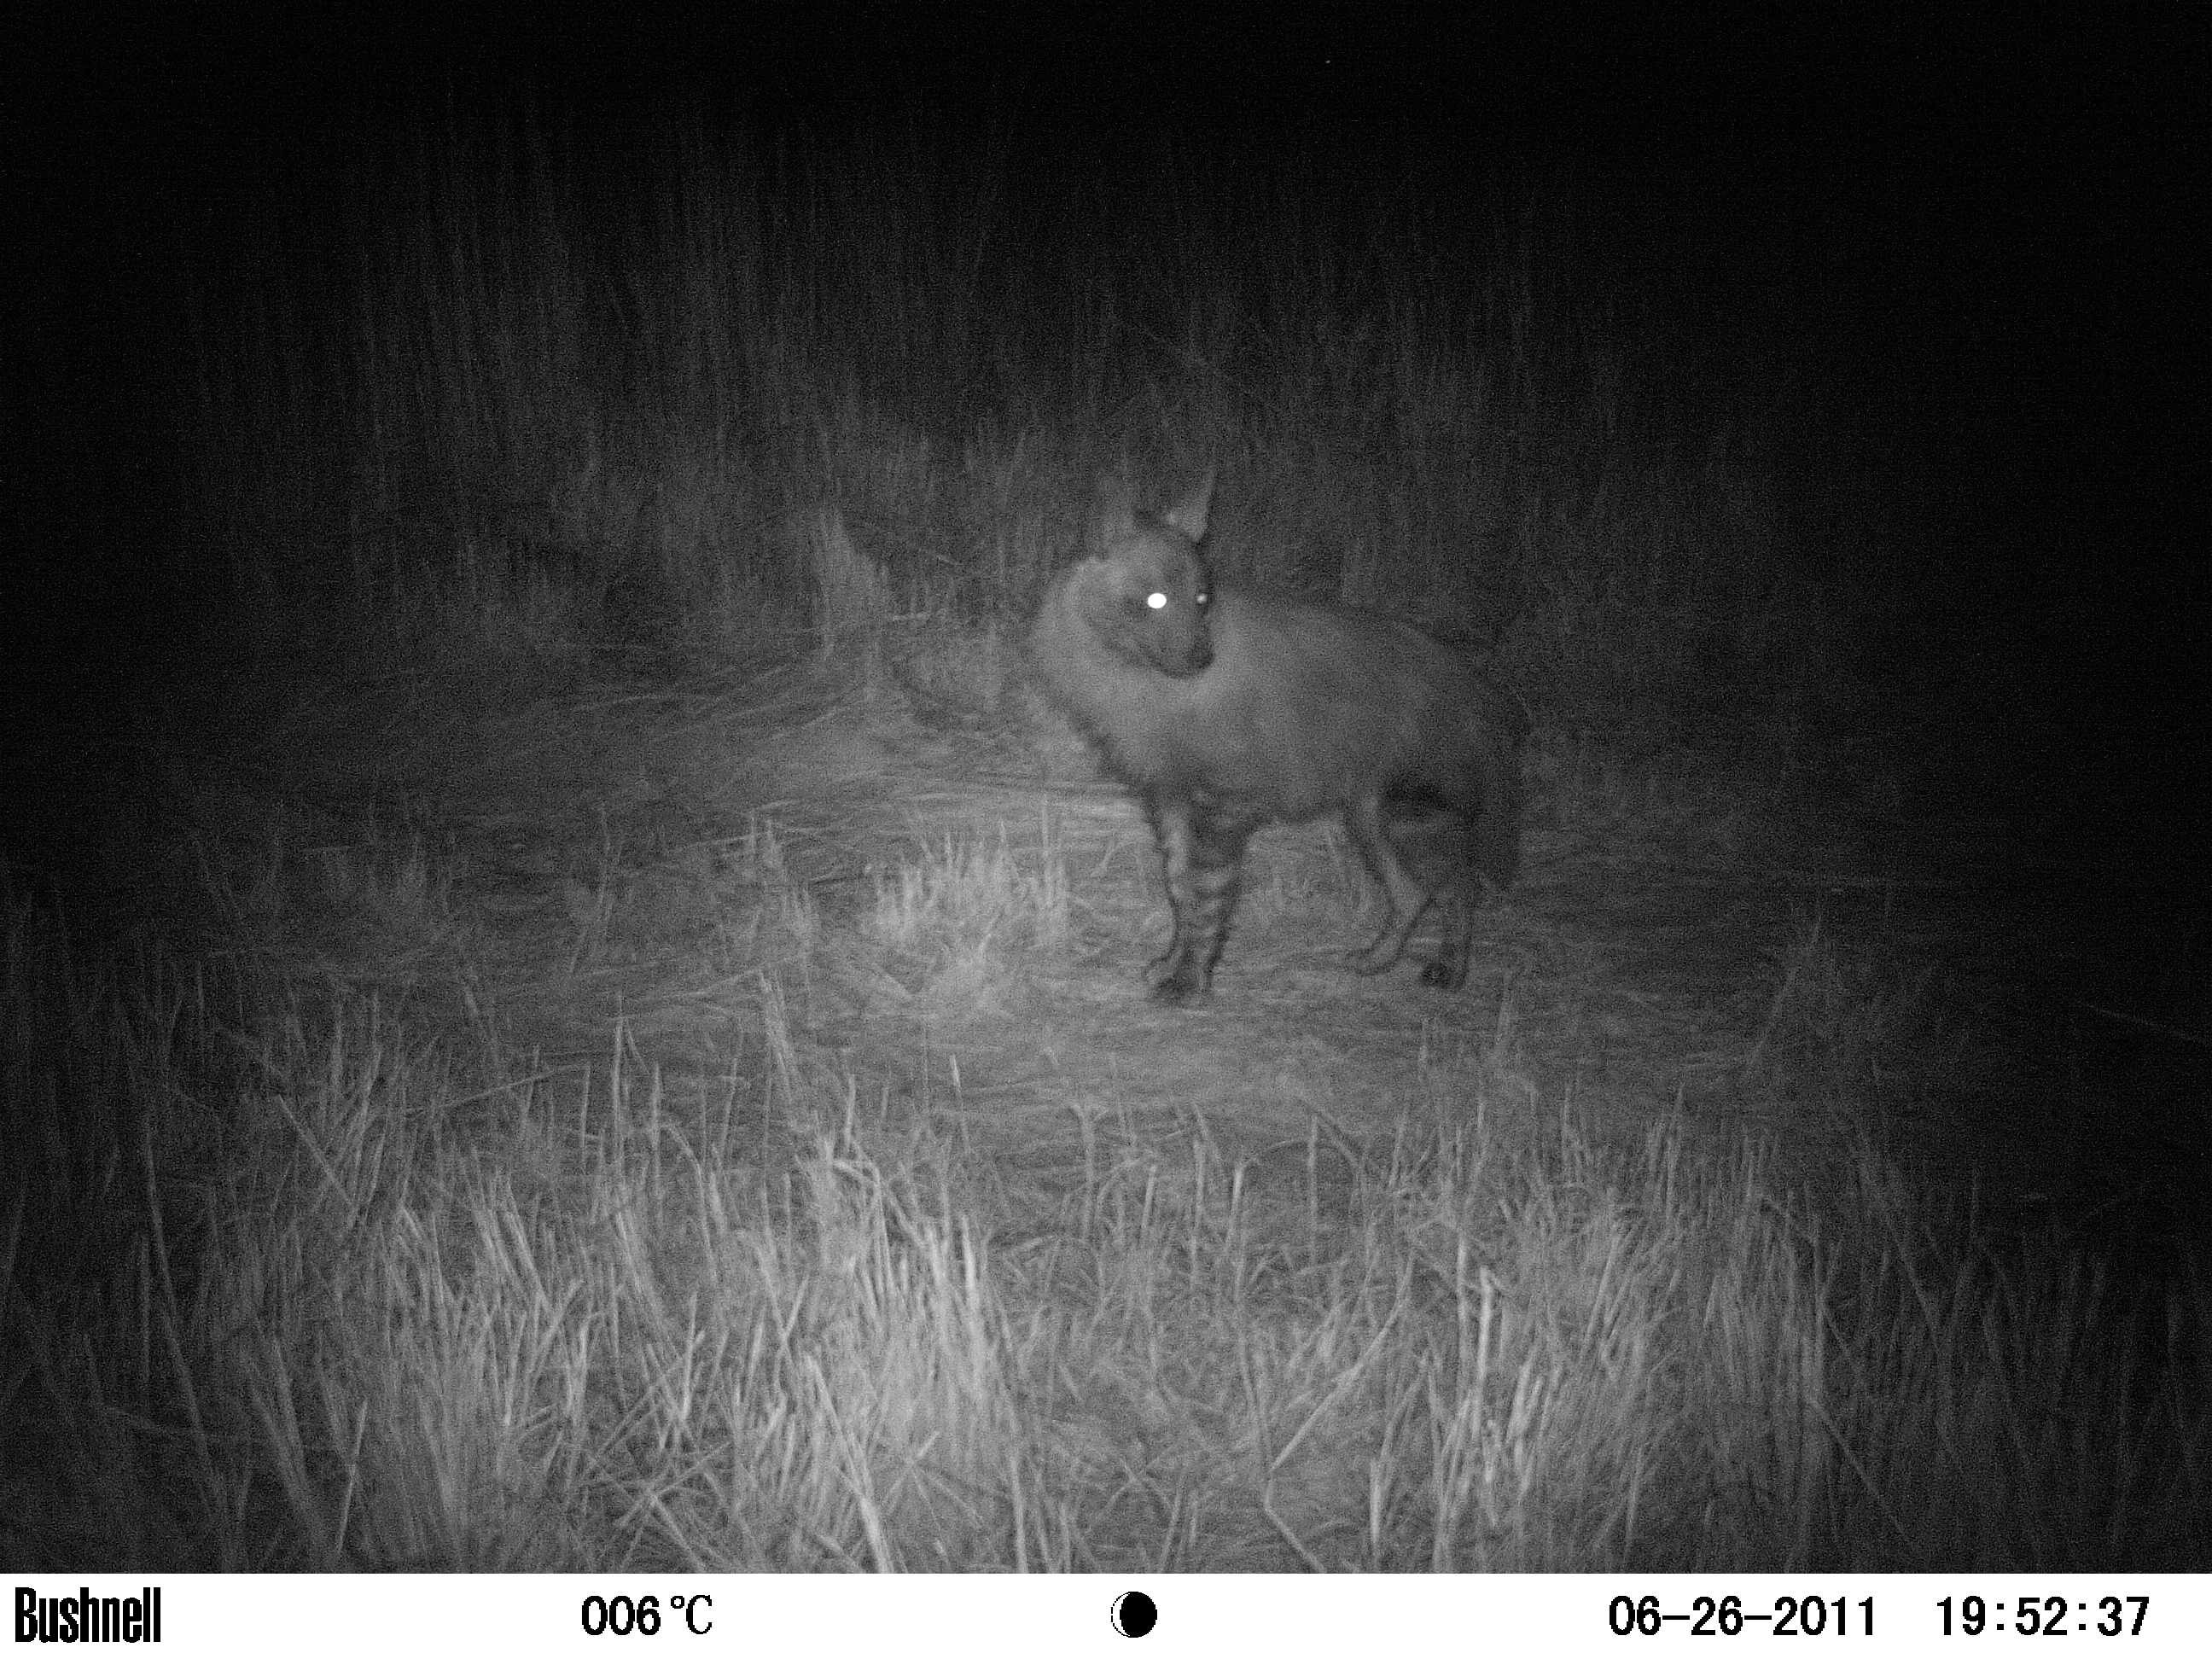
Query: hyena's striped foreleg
x=1407 y=893
x=1202 y=846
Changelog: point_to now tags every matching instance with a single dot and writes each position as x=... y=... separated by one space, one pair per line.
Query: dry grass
x=721 y=1212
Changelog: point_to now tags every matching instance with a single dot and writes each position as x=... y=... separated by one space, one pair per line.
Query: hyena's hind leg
x=1202 y=847
x=1447 y=856
x=1448 y=971
x=1407 y=893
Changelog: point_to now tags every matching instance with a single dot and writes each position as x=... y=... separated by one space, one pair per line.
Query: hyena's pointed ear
x=1116 y=517
x=1189 y=514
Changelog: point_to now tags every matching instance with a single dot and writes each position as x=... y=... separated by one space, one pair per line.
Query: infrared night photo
x=1104 y=788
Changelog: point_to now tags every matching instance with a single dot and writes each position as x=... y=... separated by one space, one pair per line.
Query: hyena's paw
x=1176 y=982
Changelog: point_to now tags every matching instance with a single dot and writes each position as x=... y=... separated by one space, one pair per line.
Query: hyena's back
x=1309 y=708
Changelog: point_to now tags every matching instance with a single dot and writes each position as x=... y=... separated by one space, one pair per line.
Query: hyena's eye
x=1156 y=601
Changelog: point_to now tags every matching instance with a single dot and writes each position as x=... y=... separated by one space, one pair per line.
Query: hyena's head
x=1149 y=588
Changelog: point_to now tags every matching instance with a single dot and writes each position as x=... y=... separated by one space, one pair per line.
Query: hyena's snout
x=1180 y=642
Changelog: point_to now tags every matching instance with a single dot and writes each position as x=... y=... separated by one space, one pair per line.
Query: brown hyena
x=1224 y=710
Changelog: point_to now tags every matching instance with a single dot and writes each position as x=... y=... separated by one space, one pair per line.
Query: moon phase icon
x=1134 y=1613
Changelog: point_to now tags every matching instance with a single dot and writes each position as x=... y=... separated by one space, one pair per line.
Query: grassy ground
x=607 y=1030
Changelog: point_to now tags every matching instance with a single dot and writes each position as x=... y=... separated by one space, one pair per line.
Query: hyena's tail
x=1496 y=850
x=1496 y=853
